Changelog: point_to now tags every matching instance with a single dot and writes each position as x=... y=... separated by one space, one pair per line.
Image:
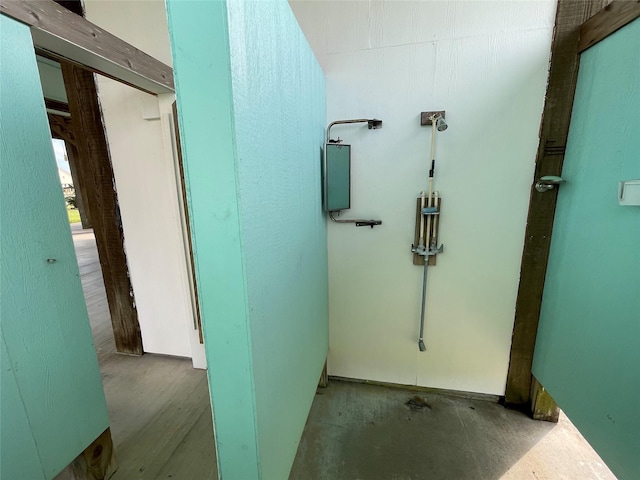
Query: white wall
x=143 y=163
x=485 y=63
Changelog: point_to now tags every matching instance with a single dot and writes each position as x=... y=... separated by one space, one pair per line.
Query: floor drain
x=417 y=404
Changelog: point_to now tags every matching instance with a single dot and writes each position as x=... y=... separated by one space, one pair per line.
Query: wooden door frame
x=93 y=178
x=579 y=25
x=95 y=172
x=60 y=31
x=60 y=126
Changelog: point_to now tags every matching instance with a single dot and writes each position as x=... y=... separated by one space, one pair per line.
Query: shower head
x=434 y=118
x=441 y=125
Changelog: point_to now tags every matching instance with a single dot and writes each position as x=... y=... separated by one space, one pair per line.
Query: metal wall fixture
x=336 y=174
x=429 y=212
x=549 y=182
x=629 y=193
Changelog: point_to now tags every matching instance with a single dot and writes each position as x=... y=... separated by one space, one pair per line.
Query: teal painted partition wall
x=588 y=346
x=251 y=105
x=52 y=403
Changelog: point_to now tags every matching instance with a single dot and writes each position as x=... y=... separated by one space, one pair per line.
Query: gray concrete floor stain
x=366 y=432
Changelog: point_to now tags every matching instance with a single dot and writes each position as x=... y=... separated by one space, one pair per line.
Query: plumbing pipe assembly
x=429 y=210
x=336 y=174
x=372 y=124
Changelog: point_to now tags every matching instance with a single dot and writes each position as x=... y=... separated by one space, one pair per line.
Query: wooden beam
x=543 y=407
x=72 y=151
x=608 y=20
x=556 y=116
x=68 y=36
x=56 y=105
x=96 y=462
x=74 y=5
x=324 y=377
x=60 y=129
x=78 y=185
x=96 y=174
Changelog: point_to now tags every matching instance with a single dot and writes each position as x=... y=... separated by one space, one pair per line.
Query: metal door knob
x=548 y=182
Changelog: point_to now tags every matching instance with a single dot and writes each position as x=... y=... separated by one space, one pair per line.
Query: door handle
x=548 y=182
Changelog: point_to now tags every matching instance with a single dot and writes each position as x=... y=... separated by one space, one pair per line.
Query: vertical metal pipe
x=436 y=222
x=421 y=344
x=421 y=236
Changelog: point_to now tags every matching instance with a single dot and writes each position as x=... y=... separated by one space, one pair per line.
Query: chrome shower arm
x=373 y=123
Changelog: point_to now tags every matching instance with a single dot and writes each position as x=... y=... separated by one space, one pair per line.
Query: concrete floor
x=161 y=422
x=365 y=432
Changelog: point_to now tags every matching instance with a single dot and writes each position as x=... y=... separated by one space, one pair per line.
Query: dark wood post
x=96 y=174
x=96 y=462
x=554 y=129
x=81 y=199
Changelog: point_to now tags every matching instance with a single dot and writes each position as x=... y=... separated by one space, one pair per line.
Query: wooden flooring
x=158 y=406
